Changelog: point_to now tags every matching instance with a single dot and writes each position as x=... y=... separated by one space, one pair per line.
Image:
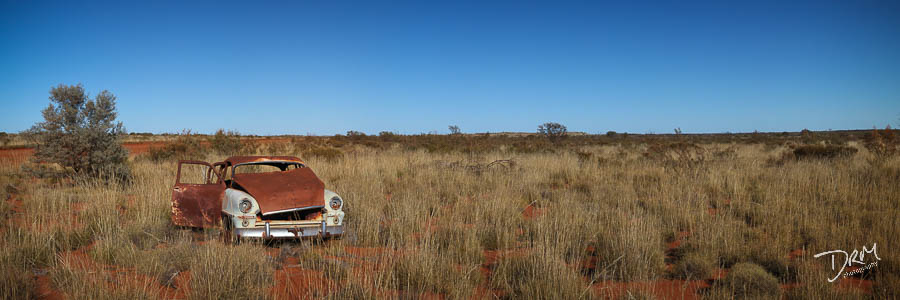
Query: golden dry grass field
x=711 y=220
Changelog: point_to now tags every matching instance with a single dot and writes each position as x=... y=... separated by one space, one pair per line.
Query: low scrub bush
x=749 y=280
x=226 y=143
x=186 y=146
x=819 y=151
x=325 y=153
x=882 y=144
x=694 y=266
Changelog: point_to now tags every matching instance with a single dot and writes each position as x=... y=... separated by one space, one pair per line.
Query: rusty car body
x=267 y=197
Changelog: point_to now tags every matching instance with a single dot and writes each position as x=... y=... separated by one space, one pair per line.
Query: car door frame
x=198 y=205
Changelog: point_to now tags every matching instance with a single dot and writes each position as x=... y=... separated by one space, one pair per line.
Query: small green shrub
x=186 y=146
x=226 y=142
x=326 y=153
x=694 y=266
x=882 y=144
x=751 y=280
x=822 y=151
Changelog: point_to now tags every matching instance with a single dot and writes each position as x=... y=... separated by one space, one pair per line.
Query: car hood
x=279 y=191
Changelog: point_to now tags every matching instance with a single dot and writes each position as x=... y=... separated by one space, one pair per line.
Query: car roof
x=237 y=160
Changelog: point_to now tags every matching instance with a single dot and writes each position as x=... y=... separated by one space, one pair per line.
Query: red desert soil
x=850 y=283
x=294 y=282
x=15 y=155
x=531 y=212
x=678 y=240
x=45 y=290
x=21 y=154
x=795 y=254
x=671 y=246
x=123 y=276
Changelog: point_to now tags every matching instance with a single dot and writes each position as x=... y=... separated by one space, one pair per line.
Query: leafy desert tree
x=81 y=134
x=882 y=144
x=553 y=131
x=354 y=133
x=454 y=130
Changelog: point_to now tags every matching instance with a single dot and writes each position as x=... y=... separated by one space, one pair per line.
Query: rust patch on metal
x=277 y=191
x=197 y=205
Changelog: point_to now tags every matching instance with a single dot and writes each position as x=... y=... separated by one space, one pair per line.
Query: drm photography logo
x=851 y=259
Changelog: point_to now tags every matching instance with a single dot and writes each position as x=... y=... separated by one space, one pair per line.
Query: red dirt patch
x=294 y=282
x=531 y=212
x=679 y=238
x=491 y=257
x=719 y=274
x=142 y=147
x=44 y=289
x=80 y=259
x=795 y=254
x=15 y=155
x=850 y=283
x=671 y=246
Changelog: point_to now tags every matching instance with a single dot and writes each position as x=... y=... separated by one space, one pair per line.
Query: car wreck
x=268 y=197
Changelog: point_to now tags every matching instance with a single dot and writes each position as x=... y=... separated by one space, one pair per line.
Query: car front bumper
x=268 y=231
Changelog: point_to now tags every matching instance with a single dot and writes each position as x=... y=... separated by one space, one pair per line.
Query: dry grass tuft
x=538 y=275
x=220 y=272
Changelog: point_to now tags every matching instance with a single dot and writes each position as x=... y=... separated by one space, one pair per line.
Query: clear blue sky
x=325 y=67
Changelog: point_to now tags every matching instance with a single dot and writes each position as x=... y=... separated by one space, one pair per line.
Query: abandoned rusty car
x=267 y=197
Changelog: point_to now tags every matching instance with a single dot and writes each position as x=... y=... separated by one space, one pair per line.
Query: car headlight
x=336 y=203
x=245 y=205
